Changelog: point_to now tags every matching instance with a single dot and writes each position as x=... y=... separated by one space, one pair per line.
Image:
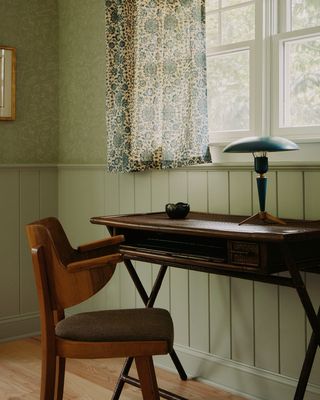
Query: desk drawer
x=243 y=253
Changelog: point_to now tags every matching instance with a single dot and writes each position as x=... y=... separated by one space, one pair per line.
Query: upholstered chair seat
x=149 y=324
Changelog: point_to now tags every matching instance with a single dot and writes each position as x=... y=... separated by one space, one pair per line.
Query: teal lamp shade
x=259 y=146
x=255 y=144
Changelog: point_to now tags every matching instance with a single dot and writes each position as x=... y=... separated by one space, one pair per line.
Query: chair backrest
x=51 y=253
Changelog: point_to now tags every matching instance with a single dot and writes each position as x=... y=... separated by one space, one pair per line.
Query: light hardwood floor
x=85 y=379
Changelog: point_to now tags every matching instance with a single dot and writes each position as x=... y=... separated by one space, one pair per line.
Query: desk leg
x=307 y=365
x=313 y=318
x=149 y=302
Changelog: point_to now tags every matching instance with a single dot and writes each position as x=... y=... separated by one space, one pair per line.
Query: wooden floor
x=85 y=379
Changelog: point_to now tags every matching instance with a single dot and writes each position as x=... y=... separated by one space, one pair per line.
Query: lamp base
x=264 y=216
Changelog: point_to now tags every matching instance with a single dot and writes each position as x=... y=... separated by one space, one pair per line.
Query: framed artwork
x=7 y=83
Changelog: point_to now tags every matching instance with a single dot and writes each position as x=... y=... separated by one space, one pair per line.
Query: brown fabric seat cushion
x=118 y=325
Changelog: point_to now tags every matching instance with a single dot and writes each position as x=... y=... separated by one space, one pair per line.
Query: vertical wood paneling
x=198 y=281
x=312 y=194
x=266 y=309
x=179 y=279
x=111 y=207
x=142 y=192
x=240 y=193
x=242 y=323
x=312 y=212
x=126 y=201
x=292 y=318
x=48 y=192
x=218 y=192
x=142 y=202
x=290 y=194
x=159 y=190
x=29 y=211
x=10 y=243
x=241 y=320
x=220 y=316
x=112 y=195
x=159 y=198
x=266 y=324
x=292 y=333
x=81 y=196
x=178 y=186
x=198 y=191
x=220 y=307
x=126 y=193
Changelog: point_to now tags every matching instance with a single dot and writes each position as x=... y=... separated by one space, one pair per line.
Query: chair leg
x=48 y=374
x=147 y=378
x=59 y=380
x=121 y=380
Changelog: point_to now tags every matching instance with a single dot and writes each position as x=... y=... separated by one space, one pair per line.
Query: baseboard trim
x=250 y=382
x=19 y=326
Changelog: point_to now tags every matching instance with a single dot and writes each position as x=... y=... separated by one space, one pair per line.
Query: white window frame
x=266 y=61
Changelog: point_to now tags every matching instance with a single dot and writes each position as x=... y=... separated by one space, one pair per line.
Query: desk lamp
x=259 y=146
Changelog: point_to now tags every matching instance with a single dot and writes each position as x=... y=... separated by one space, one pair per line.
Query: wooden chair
x=66 y=276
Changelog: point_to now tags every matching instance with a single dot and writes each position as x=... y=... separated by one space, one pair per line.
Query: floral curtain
x=156 y=103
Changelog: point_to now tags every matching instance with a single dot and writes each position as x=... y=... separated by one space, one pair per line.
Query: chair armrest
x=98 y=244
x=96 y=262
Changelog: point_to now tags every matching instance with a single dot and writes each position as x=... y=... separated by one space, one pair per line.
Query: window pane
x=305 y=14
x=238 y=24
x=302 y=82
x=226 y=3
x=212 y=30
x=228 y=91
x=212 y=5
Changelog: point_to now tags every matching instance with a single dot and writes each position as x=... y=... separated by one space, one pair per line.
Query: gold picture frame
x=7 y=83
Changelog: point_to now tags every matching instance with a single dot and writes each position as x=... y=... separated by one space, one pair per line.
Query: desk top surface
x=217 y=225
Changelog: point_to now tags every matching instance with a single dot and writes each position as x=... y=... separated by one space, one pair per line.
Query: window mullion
x=259 y=74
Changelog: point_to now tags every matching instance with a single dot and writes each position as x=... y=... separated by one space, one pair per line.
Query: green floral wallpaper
x=82 y=82
x=60 y=81
x=32 y=27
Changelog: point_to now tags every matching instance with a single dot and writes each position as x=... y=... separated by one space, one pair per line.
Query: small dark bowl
x=178 y=210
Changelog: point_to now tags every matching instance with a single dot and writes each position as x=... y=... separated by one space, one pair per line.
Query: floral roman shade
x=156 y=103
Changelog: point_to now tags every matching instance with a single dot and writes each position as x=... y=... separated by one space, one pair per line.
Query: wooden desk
x=217 y=244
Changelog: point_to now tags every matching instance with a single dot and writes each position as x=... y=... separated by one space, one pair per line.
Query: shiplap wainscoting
x=27 y=193
x=250 y=337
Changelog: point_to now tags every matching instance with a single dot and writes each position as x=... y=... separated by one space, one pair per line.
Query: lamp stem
x=262 y=191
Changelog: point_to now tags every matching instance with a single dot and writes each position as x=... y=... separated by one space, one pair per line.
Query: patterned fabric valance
x=156 y=103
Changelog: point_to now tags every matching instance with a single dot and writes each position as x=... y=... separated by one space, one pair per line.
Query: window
x=297 y=72
x=263 y=67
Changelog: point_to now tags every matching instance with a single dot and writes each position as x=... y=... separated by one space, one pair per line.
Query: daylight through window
x=263 y=68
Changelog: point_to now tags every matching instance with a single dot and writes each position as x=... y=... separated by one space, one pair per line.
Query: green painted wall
x=32 y=27
x=82 y=82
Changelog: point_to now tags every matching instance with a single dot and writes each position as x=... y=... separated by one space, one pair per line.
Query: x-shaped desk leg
x=148 y=302
x=307 y=365
x=313 y=318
